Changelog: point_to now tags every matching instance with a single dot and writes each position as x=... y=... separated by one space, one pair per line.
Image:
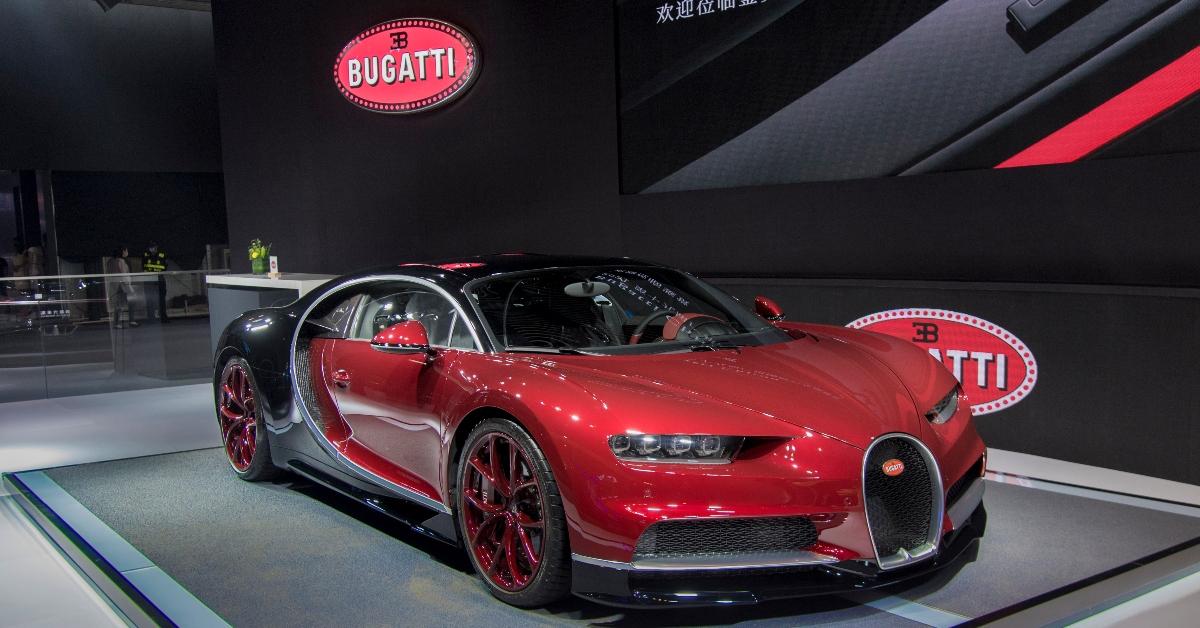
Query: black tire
x=552 y=579
x=260 y=467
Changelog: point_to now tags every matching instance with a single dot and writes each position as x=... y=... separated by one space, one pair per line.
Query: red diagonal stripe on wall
x=1120 y=114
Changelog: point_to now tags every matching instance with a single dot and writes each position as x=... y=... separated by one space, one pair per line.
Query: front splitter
x=642 y=589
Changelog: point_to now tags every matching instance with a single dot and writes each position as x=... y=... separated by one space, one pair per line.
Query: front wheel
x=511 y=516
x=239 y=417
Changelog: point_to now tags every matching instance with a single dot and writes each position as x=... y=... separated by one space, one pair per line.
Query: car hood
x=818 y=384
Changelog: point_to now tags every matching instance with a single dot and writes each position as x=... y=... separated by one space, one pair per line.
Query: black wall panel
x=526 y=159
x=1126 y=221
x=132 y=89
x=99 y=211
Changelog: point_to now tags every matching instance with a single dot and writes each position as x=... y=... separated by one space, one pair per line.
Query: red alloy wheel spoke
x=235 y=448
x=527 y=545
x=230 y=435
x=513 y=465
x=243 y=443
x=494 y=563
x=505 y=530
x=525 y=522
x=484 y=528
x=496 y=470
x=230 y=395
x=480 y=504
x=239 y=427
x=481 y=468
x=526 y=485
x=510 y=553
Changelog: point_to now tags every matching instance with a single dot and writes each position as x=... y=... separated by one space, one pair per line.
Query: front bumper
x=617 y=586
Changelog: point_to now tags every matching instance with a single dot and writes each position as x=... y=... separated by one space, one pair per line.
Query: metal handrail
x=46 y=302
x=219 y=271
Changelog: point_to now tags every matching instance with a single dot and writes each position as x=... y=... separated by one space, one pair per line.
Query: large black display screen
x=730 y=93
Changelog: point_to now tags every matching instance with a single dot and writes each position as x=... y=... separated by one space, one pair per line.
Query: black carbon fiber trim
x=304 y=382
x=960 y=485
x=899 y=507
x=725 y=537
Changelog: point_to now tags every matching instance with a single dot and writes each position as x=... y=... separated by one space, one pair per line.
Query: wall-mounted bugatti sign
x=996 y=369
x=406 y=65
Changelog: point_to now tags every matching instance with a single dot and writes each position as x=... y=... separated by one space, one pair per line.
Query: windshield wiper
x=714 y=345
x=563 y=351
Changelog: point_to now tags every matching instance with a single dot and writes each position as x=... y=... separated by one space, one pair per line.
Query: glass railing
x=66 y=335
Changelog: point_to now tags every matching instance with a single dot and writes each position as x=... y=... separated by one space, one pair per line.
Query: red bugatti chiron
x=609 y=427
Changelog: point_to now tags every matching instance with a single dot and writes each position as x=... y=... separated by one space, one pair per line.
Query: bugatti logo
x=406 y=65
x=996 y=369
x=893 y=467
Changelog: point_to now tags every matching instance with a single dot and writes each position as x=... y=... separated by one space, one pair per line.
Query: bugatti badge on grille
x=893 y=467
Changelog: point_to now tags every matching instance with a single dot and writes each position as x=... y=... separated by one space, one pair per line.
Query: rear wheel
x=511 y=517
x=240 y=420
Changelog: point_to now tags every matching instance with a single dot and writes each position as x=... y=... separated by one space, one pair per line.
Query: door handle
x=341 y=377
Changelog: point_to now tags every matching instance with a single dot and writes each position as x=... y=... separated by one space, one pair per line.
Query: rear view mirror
x=403 y=337
x=768 y=309
x=586 y=289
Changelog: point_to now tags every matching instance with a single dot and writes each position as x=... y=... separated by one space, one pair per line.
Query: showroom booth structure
x=528 y=160
x=578 y=137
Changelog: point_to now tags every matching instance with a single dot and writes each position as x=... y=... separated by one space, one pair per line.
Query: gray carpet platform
x=292 y=553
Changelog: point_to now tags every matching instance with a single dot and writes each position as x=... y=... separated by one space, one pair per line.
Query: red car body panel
x=822 y=399
x=814 y=483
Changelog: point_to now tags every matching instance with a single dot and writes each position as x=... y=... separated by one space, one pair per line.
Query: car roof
x=468 y=268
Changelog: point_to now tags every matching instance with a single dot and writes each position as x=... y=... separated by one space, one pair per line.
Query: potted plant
x=258 y=256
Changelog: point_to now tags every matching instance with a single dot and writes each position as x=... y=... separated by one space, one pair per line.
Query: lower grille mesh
x=725 y=537
x=900 y=507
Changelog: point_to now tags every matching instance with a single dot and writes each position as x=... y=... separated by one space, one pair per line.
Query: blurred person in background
x=34 y=259
x=27 y=262
x=119 y=287
x=154 y=260
x=4 y=285
x=19 y=267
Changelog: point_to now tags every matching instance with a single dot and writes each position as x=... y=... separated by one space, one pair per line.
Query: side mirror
x=768 y=309
x=404 y=337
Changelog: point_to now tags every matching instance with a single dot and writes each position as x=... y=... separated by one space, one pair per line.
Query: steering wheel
x=641 y=328
x=694 y=327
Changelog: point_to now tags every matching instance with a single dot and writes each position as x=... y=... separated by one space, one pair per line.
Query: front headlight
x=944 y=409
x=694 y=448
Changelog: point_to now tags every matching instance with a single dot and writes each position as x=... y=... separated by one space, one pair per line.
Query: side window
x=460 y=335
x=336 y=320
x=391 y=302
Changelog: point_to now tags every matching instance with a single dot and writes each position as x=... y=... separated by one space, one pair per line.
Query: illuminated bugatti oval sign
x=893 y=467
x=996 y=369
x=407 y=65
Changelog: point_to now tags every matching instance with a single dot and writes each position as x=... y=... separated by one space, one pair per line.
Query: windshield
x=614 y=310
